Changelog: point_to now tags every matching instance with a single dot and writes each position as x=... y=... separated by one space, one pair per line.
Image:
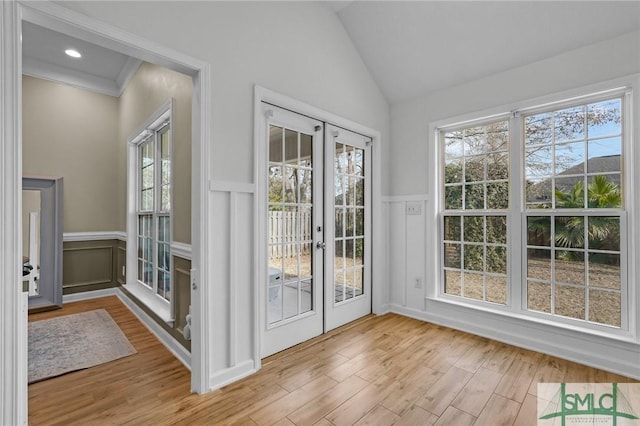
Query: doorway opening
x=57 y=18
x=315 y=247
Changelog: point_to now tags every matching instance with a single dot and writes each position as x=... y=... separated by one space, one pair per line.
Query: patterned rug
x=74 y=342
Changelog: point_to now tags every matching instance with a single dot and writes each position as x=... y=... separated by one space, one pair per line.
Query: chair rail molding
x=94 y=236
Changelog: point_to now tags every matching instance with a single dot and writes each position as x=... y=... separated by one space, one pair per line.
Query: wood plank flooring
x=376 y=371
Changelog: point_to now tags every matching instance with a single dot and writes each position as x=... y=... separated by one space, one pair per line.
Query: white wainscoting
x=233 y=266
x=406 y=237
x=408 y=260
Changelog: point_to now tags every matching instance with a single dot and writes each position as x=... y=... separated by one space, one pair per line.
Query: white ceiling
x=412 y=48
x=416 y=48
x=100 y=69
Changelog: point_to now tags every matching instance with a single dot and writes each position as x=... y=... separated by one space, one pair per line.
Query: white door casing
x=13 y=342
x=13 y=301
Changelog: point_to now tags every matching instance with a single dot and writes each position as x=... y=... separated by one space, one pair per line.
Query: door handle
x=321 y=245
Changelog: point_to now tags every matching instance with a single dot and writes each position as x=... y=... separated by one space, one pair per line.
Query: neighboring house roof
x=606 y=164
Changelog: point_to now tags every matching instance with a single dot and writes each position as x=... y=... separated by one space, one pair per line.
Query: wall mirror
x=42 y=241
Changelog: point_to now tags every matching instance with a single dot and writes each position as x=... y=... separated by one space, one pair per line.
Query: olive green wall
x=89 y=265
x=73 y=133
x=147 y=91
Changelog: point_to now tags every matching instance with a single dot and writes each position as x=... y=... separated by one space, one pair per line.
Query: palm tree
x=603 y=194
x=603 y=232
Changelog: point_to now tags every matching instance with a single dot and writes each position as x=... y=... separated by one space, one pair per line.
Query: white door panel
x=348 y=226
x=293 y=298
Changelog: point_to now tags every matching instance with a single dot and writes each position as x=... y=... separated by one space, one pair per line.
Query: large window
x=546 y=183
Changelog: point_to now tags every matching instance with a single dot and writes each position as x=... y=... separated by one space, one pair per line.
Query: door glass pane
x=305 y=150
x=304 y=184
x=339 y=222
x=359 y=162
x=275 y=144
x=290 y=220
x=349 y=224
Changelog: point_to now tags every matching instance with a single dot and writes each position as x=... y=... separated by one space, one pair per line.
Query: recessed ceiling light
x=73 y=53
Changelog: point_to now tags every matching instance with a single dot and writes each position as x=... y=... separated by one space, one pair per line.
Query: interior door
x=294 y=209
x=348 y=232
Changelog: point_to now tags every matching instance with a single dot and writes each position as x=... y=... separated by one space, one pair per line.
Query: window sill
x=619 y=335
x=155 y=303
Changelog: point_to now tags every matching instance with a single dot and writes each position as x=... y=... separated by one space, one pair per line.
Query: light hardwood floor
x=377 y=371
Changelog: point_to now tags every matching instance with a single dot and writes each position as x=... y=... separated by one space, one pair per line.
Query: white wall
x=410 y=120
x=298 y=49
x=409 y=171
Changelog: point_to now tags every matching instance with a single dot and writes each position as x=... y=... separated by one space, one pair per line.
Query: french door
x=348 y=208
x=317 y=242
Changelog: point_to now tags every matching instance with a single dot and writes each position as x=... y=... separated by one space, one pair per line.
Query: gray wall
x=72 y=133
x=147 y=91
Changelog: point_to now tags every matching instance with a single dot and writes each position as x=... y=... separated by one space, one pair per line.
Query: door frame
x=262 y=94
x=13 y=338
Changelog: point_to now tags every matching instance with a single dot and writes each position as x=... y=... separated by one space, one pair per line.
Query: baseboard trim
x=179 y=351
x=88 y=295
x=383 y=309
x=232 y=374
x=600 y=355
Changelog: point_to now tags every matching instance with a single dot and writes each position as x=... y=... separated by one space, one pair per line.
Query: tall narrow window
x=153 y=208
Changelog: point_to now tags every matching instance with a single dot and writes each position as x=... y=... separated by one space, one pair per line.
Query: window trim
x=149 y=296
x=516 y=303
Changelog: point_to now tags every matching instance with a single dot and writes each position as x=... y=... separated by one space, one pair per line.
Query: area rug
x=74 y=342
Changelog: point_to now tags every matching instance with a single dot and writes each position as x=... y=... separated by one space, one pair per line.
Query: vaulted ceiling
x=416 y=48
x=412 y=48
